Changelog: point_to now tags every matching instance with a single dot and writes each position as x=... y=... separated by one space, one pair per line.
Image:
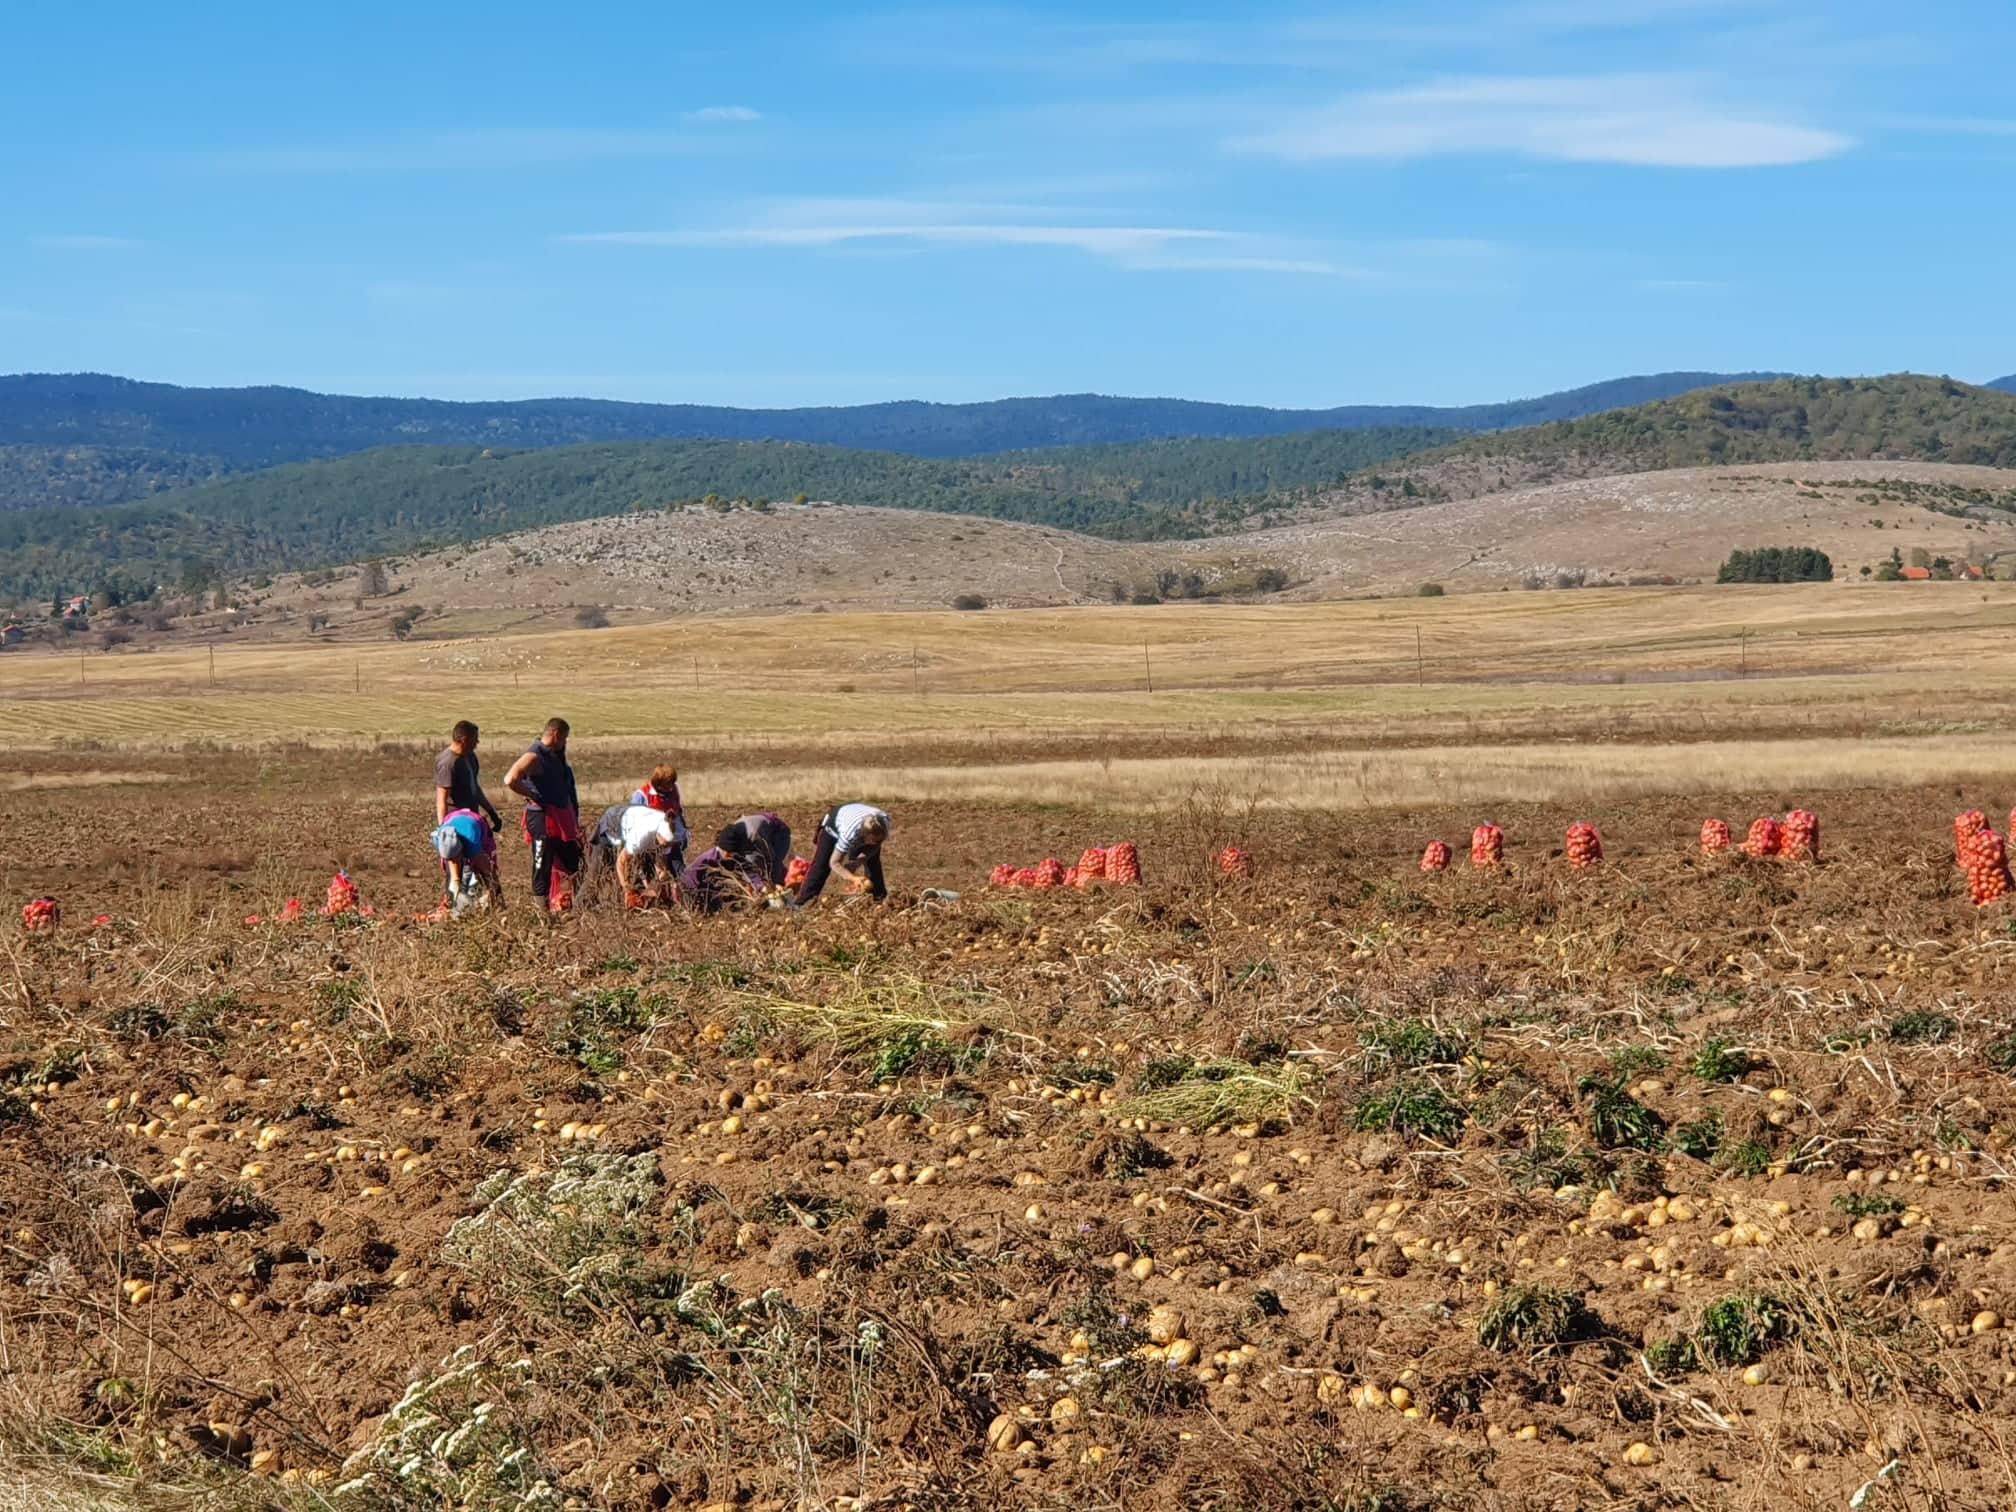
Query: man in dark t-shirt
x=458 y=778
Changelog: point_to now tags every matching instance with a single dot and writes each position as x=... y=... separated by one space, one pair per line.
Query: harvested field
x=1677 y=1182
x=1673 y=1182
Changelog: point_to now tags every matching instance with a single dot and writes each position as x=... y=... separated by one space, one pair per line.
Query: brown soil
x=786 y=1320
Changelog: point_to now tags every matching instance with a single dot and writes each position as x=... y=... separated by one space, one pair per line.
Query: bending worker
x=545 y=781
x=766 y=842
x=850 y=843
x=646 y=856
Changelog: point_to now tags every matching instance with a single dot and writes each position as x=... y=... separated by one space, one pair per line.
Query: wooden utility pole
x=1147 y=667
x=213 y=666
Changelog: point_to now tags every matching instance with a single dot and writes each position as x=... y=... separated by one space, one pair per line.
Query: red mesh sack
x=342 y=896
x=42 y=915
x=1715 y=837
x=1092 y=865
x=1436 y=857
x=1049 y=873
x=1025 y=877
x=1123 y=863
x=797 y=871
x=1234 y=862
x=1487 y=846
x=1800 y=836
x=1985 y=860
x=1965 y=827
x=1765 y=840
x=1002 y=876
x=1584 y=845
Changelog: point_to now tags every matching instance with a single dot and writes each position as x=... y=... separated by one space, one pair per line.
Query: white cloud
x=1646 y=120
x=82 y=243
x=1103 y=241
x=723 y=115
x=895 y=223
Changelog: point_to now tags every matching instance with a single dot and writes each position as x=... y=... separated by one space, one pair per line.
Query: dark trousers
x=773 y=846
x=549 y=856
x=870 y=861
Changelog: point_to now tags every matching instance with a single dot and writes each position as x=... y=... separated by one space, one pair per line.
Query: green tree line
x=1777 y=564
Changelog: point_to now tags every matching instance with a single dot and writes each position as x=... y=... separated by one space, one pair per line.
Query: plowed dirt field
x=1676 y=1182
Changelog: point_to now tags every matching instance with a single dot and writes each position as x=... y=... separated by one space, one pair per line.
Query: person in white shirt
x=606 y=841
x=850 y=843
x=645 y=855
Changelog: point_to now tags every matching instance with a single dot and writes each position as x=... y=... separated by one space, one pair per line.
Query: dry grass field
x=1518 y=695
x=1677 y=1182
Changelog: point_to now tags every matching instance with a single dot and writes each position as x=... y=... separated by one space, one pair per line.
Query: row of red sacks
x=1119 y=864
x=1978 y=850
x=1796 y=837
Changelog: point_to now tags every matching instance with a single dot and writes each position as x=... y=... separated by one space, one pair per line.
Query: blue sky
x=1442 y=201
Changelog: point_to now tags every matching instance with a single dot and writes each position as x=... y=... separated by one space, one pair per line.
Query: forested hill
x=2006 y=385
x=261 y=427
x=396 y=499
x=1794 y=419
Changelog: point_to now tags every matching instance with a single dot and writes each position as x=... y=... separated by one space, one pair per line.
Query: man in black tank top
x=545 y=781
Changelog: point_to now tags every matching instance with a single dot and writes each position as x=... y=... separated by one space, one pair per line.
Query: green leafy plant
x=1411 y=1108
x=1532 y=1319
x=1616 y=1120
x=1867 y=1204
x=1747 y=1157
x=1736 y=1330
x=1700 y=1137
x=1921 y=1027
x=1719 y=1060
x=1636 y=1060
x=1406 y=1044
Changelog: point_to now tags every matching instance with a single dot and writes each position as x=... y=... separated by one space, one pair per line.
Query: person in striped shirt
x=850 y=843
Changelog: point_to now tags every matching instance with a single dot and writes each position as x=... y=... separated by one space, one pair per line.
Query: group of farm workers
x=640 y=843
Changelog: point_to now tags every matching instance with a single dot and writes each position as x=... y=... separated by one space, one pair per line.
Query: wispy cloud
x=86 y=243
x=723 y=115
x=1645 y=120
x=826 y=223
x=489 y=148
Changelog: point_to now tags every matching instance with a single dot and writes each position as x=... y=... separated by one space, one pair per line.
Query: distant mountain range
x=86 y=439
x=2006 y=385
x=398 y=499
x=260 y=427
